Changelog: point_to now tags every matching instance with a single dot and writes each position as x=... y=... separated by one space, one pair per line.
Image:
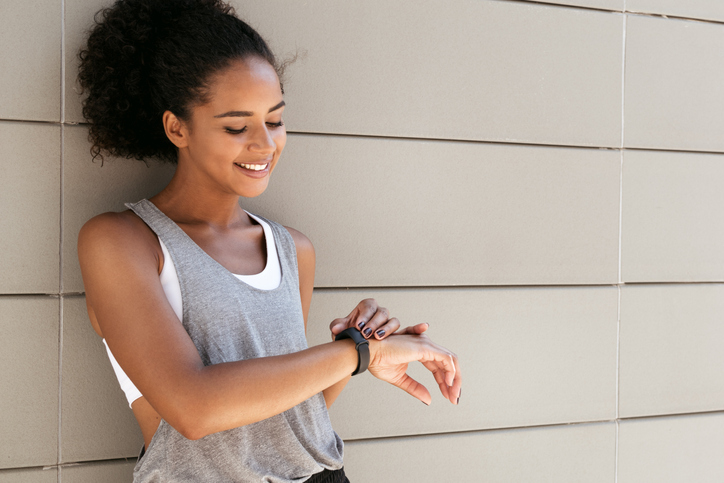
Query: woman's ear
x=176 y=130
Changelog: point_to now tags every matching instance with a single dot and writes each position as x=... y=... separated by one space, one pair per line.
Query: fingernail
x=380 y=333
x=423 y=402
x=361 y=325
x=367 y=332
x=460 y=393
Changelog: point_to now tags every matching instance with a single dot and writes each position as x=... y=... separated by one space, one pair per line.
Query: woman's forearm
x=224 y=396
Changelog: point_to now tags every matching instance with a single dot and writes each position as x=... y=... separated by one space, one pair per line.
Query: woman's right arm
x=119 y=264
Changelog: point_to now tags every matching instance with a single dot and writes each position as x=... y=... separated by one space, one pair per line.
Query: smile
x=253 y=167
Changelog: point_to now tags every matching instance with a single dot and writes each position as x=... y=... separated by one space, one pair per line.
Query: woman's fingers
x=378 y=319
x=387 y=328
x=338 y=325
x=414 y=389
x=372 y=320
x=415 y=329
x=390 y=359
x=362 y=314
x=450 y=387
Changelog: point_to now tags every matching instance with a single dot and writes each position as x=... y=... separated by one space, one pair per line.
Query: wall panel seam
x=612 y=10
x=568 y=6
x=615 y=459
x=618 y=351
x=481 y=430
x=673 y=17
x=539 y=426
x=60 y=378
x=62 y=61
x=444 y=140
x=671 y=415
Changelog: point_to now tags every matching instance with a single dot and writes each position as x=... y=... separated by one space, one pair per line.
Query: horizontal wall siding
x=673 y=84
x=29 y=194
x=615 y=5
x=542 y=455
x=673 y=204
x=700 y=9
x=671 y=357
x=673 y=449
x=29 y=381
x=569 y=332
x=95 y=472
x=407 y=212
x=30 y=61
x=502 y=71
x=30 y=475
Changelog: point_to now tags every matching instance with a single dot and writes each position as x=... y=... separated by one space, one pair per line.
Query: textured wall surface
x=539 y=181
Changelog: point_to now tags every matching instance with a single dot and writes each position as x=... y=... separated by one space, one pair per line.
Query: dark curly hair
x=144 y=57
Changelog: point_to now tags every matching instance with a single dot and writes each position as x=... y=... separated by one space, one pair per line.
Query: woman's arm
x=119 y=264
x=120 y=272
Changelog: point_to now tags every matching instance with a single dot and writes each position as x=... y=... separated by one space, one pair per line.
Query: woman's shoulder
x=301 y=241
x=115 y=233
x=306 y=258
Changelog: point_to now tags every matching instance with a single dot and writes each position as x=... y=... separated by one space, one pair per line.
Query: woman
x=215 y=362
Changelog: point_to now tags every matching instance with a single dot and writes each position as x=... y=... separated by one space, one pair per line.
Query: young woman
x=203 y=306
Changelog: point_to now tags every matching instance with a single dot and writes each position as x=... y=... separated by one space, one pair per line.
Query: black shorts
x=327 y=476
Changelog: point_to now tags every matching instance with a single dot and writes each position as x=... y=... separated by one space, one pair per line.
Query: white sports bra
x=267 y=279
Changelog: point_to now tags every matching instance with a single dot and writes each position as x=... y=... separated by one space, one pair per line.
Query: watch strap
x=362 y=346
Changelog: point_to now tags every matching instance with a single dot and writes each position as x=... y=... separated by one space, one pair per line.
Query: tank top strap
x=163 y=226
x=286 y=251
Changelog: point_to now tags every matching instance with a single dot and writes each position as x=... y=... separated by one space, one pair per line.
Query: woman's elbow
x=190 y=420
x=191 y=426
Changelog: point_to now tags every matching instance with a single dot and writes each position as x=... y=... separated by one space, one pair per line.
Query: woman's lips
x=254 y=170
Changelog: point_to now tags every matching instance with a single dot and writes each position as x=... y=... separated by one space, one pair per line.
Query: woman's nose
x=262 y=141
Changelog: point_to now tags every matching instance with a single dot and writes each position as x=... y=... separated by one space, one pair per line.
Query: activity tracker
x=362 y=346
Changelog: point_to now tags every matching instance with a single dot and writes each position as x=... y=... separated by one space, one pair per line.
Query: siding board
x=385 y=212
x=570 y=333
x=476 y=70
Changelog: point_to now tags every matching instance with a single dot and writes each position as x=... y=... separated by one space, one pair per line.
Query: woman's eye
x=275 y=124
x=235 y=131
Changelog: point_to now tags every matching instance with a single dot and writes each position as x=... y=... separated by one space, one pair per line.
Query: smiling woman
x=203 y=307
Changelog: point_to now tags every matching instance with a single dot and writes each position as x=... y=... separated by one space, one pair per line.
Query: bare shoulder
x=306 y=261
x=112 y=243
x=303 y=244
x=114 y=231
x=306 y=258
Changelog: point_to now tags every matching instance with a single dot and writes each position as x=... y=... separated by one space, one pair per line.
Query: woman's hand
x=372 y=320
x=389 y=360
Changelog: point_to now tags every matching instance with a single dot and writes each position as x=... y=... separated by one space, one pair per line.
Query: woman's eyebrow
x=248 y=113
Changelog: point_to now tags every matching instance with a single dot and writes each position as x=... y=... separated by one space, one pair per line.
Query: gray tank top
x=229 y=320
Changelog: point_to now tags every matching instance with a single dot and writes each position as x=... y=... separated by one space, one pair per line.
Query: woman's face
x=235 y=140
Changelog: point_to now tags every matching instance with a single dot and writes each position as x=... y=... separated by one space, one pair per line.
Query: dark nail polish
x=380 y=333
x=361 y=325
x=367 y=332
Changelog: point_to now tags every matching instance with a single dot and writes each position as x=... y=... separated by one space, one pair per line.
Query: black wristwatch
x=362 y=345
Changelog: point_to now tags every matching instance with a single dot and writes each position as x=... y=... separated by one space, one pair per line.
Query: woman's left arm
x=306 y=261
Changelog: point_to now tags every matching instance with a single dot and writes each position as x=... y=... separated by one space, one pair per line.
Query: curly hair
x=144 y=57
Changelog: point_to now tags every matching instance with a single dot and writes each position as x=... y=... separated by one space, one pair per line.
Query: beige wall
x=541 y=182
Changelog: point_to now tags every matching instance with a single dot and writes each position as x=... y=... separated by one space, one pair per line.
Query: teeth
x=253 y=167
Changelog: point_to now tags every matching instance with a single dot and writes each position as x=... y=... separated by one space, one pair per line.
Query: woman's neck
x=191 y=203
